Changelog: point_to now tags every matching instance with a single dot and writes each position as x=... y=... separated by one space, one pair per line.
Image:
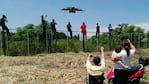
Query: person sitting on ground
x=97 y=68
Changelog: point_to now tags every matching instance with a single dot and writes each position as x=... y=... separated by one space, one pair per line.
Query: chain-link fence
x=32 y=42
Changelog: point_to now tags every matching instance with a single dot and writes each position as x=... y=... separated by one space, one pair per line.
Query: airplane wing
x=64 y=9
x=71 y=9
x=79 y=9
x=68 y=8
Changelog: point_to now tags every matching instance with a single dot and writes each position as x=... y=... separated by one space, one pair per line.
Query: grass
x=56 y=68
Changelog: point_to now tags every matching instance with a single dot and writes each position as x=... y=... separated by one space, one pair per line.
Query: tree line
x=29 y=40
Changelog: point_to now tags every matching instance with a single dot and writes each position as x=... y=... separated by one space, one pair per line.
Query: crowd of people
x=83 y=28
x=121 y=56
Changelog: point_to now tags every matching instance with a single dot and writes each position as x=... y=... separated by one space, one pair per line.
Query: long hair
x=126 y=46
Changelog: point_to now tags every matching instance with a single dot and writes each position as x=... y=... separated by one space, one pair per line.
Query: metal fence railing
x=32 y=42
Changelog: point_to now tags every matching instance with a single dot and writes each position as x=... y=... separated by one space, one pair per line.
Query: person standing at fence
x=69 y=29
x=97 y=30
x=43 y=25
x=83 y=30
x=3 y=25
x=53 y=27
x=110 y=36
x=110 y=29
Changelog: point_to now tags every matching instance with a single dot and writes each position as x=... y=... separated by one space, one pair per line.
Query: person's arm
x=123 y=65
x=88 y=63
x=102 y=52
x=115 y=58
x=131 y=45
x=102 y=56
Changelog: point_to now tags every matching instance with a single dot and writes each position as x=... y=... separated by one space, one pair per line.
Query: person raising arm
x=96 y=69
x=98 y=65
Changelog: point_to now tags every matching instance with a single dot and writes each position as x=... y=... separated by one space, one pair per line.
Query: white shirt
x=95 y=70
x=125 y=59
x=121 y=54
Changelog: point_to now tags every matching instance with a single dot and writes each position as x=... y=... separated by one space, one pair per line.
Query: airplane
x=71 y=9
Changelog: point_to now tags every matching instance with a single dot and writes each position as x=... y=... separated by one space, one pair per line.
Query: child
x=116 y=57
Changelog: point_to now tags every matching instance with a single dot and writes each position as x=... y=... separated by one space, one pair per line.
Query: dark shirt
x=2 y=22
x=53 y=26
x=98 y=29
x=69 y=27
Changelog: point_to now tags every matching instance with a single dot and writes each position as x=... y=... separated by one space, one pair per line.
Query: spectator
x=97 y=68
x=97 y=30
x=69 y=29
x=43 y=25
x=110 y=29
x=83 y=30
x=3 y=25
x=118 y=62
x=126 y=56
x=53 y=25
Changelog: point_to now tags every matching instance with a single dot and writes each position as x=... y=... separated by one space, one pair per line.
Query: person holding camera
x=95 y=70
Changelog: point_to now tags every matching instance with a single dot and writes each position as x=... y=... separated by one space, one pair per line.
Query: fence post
x=51 y=40
x=3 y=42
x=7 y=51
x=67 y=41
x=83 y=43
x=97 y=42
x=110 y=41
x=28 y=43
x=1 y=47
x=147 y=40
x=47 y=41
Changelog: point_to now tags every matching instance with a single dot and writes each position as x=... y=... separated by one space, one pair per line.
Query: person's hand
x=101 y=48
x=90 y=55
x=128 y=40
x=126 y=67
x=116 y=58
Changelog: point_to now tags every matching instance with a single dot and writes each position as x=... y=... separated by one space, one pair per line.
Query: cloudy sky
x=22 y=12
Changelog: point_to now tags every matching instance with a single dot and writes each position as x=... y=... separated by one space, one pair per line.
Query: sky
x=105 y=12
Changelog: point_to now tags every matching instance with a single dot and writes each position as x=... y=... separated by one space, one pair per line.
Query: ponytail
x=128 y=51
x=126 y=46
